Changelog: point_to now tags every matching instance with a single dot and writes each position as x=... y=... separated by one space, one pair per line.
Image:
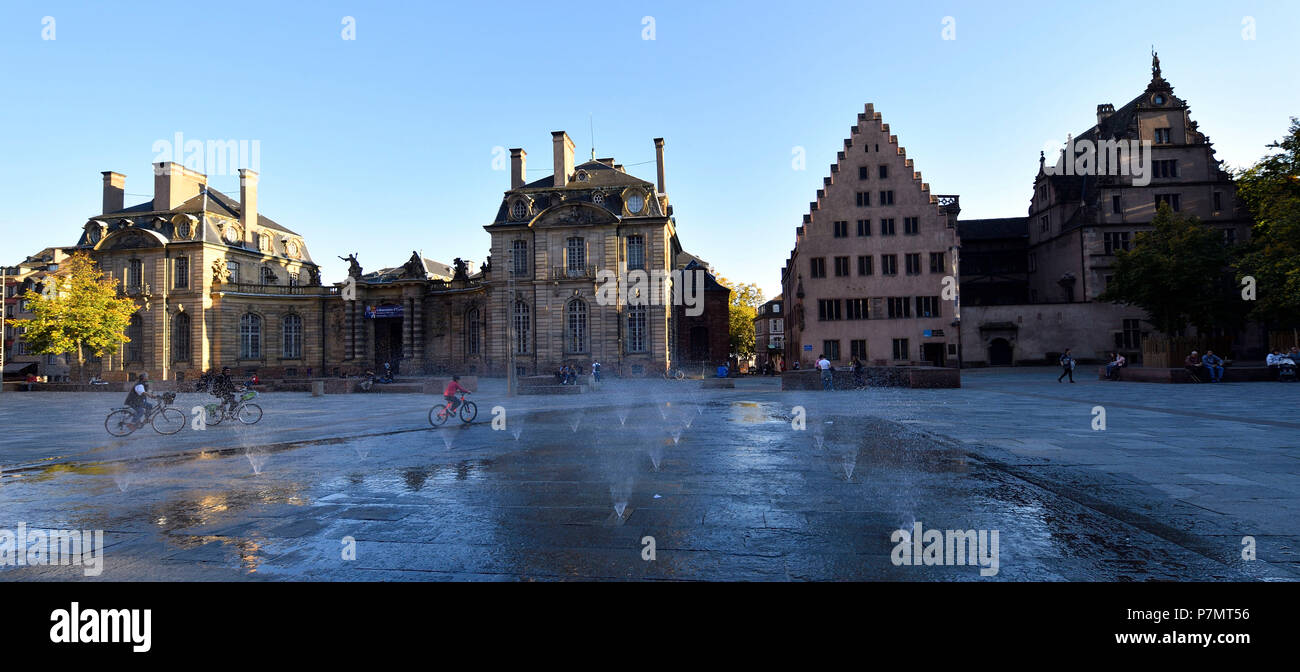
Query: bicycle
x=674 y=374
x=243 y=410
x=438 y=415
x=163 y=418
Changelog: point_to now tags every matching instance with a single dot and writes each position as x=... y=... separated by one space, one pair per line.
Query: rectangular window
x=832 y=350
x=1162 y=136
x=828 y=310
x=857 y=309
x=841 y=229
x=864 y=199
x=1131 y=336
x=1044 y=223
x=1165 y=168
x=864 y=227
x=181 y=273
x=636 y=329
x=884 y=172
x=913 y=262
x=135 y=274
x=233 y=268
x=775 y=326
x=817 y=267
x=1033 y=262
x=1115 y=241
x=519 y=257
x=889 y=264
x=887 y=198
x=1115 y=206
x=887 y=227
x=900 y=349
x=1230 y=236
x=635 y=253
x=911 y=225
x=864 y=265
x=575 y=253
x=841 y=267
x=1218 y=201
x=936 y=262
x=1172 y=199
x=927 y=306
x=898 y=307
x=863 y=172
x=858 y=348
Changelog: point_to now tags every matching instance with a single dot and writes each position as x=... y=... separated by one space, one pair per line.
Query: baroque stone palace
x=219 y=284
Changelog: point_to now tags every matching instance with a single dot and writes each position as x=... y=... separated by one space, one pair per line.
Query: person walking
x=828 y=377
x=1214 y=364
x=1067 y=366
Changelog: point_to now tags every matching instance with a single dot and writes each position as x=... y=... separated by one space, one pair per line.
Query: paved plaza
x=745 y=484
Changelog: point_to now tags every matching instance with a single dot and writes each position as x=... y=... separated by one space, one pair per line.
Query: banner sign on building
x=375 y=312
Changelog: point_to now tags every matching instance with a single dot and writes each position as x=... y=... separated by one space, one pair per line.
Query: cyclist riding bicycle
x=449 y=394
x=223 y=386
x=138 y=399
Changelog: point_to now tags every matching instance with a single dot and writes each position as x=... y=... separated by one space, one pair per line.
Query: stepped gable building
x=217 y=282
x=866 y=274
x=1077 y=221
x=551 y=239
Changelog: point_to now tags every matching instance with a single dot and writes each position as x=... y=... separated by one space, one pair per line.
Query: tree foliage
x=1180 y=273
x=745 y=301
x=78 y=311
x=1270 y=192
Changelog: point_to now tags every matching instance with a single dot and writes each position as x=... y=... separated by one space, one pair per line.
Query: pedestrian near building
x=1214 y=365
x=1067 y=366
x=824 y=365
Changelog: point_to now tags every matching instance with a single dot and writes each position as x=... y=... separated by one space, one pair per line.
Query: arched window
x=575 y=337
x=636 y=328
x=135 y=339
x=181 y=337
x=250 y=336
x=472 y=327
x=523 y=328
x=292 y=337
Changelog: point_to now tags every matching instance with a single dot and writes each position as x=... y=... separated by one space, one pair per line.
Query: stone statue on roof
x=354 y=268
x=414 y=267
x=462 y=269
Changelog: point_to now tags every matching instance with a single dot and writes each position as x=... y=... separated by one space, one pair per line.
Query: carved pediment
x=132 y=238
x=575 y=214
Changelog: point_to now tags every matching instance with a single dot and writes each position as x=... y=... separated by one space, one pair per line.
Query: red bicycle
x=438 y=415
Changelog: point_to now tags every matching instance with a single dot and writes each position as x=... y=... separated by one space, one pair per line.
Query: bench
x=1180 y=375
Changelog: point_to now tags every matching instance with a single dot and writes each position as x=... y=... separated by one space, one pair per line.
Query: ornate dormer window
x=583 y=176
x=519 y=210
x=635 y=202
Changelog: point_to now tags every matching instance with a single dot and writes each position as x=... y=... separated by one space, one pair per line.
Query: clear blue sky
x=384 y=144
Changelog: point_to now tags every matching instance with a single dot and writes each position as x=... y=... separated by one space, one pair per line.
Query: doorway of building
x=699 y=346
x=1000 y=352
x=933 y=353
x=388 y=343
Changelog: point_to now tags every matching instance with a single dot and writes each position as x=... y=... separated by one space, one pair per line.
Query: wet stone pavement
x=744 y=484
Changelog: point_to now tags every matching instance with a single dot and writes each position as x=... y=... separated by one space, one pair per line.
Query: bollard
x=317 y=388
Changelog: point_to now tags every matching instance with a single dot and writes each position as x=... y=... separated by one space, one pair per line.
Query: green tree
x=1270 y=191
x=745 y=301
x=1180 y=273
x=79 y=312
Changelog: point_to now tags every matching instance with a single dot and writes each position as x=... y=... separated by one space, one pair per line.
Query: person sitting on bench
x=1112 y=369
x=1214 y=364
x=1193 y=366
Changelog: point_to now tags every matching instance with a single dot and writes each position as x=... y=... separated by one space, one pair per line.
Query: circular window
x=183 y=230
x=519 y=210
x=583 y=176
x=635 y=202
x=598 y=198
x=232 y=234
x=292 y=248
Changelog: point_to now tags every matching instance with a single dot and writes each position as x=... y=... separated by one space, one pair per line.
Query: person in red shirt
x=449 y=394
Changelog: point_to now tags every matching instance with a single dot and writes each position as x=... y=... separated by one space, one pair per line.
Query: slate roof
x=217 y=203
x=990 y=229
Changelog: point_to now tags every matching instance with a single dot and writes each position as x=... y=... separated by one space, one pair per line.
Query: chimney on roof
x=659 y=162
x=518 y=168
x=173 y=184
x=247 y=200
x=114 y=191
x=1104 y=111
x=563 y=157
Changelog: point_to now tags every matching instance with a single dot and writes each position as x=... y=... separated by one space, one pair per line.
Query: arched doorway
x=1000 y=352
